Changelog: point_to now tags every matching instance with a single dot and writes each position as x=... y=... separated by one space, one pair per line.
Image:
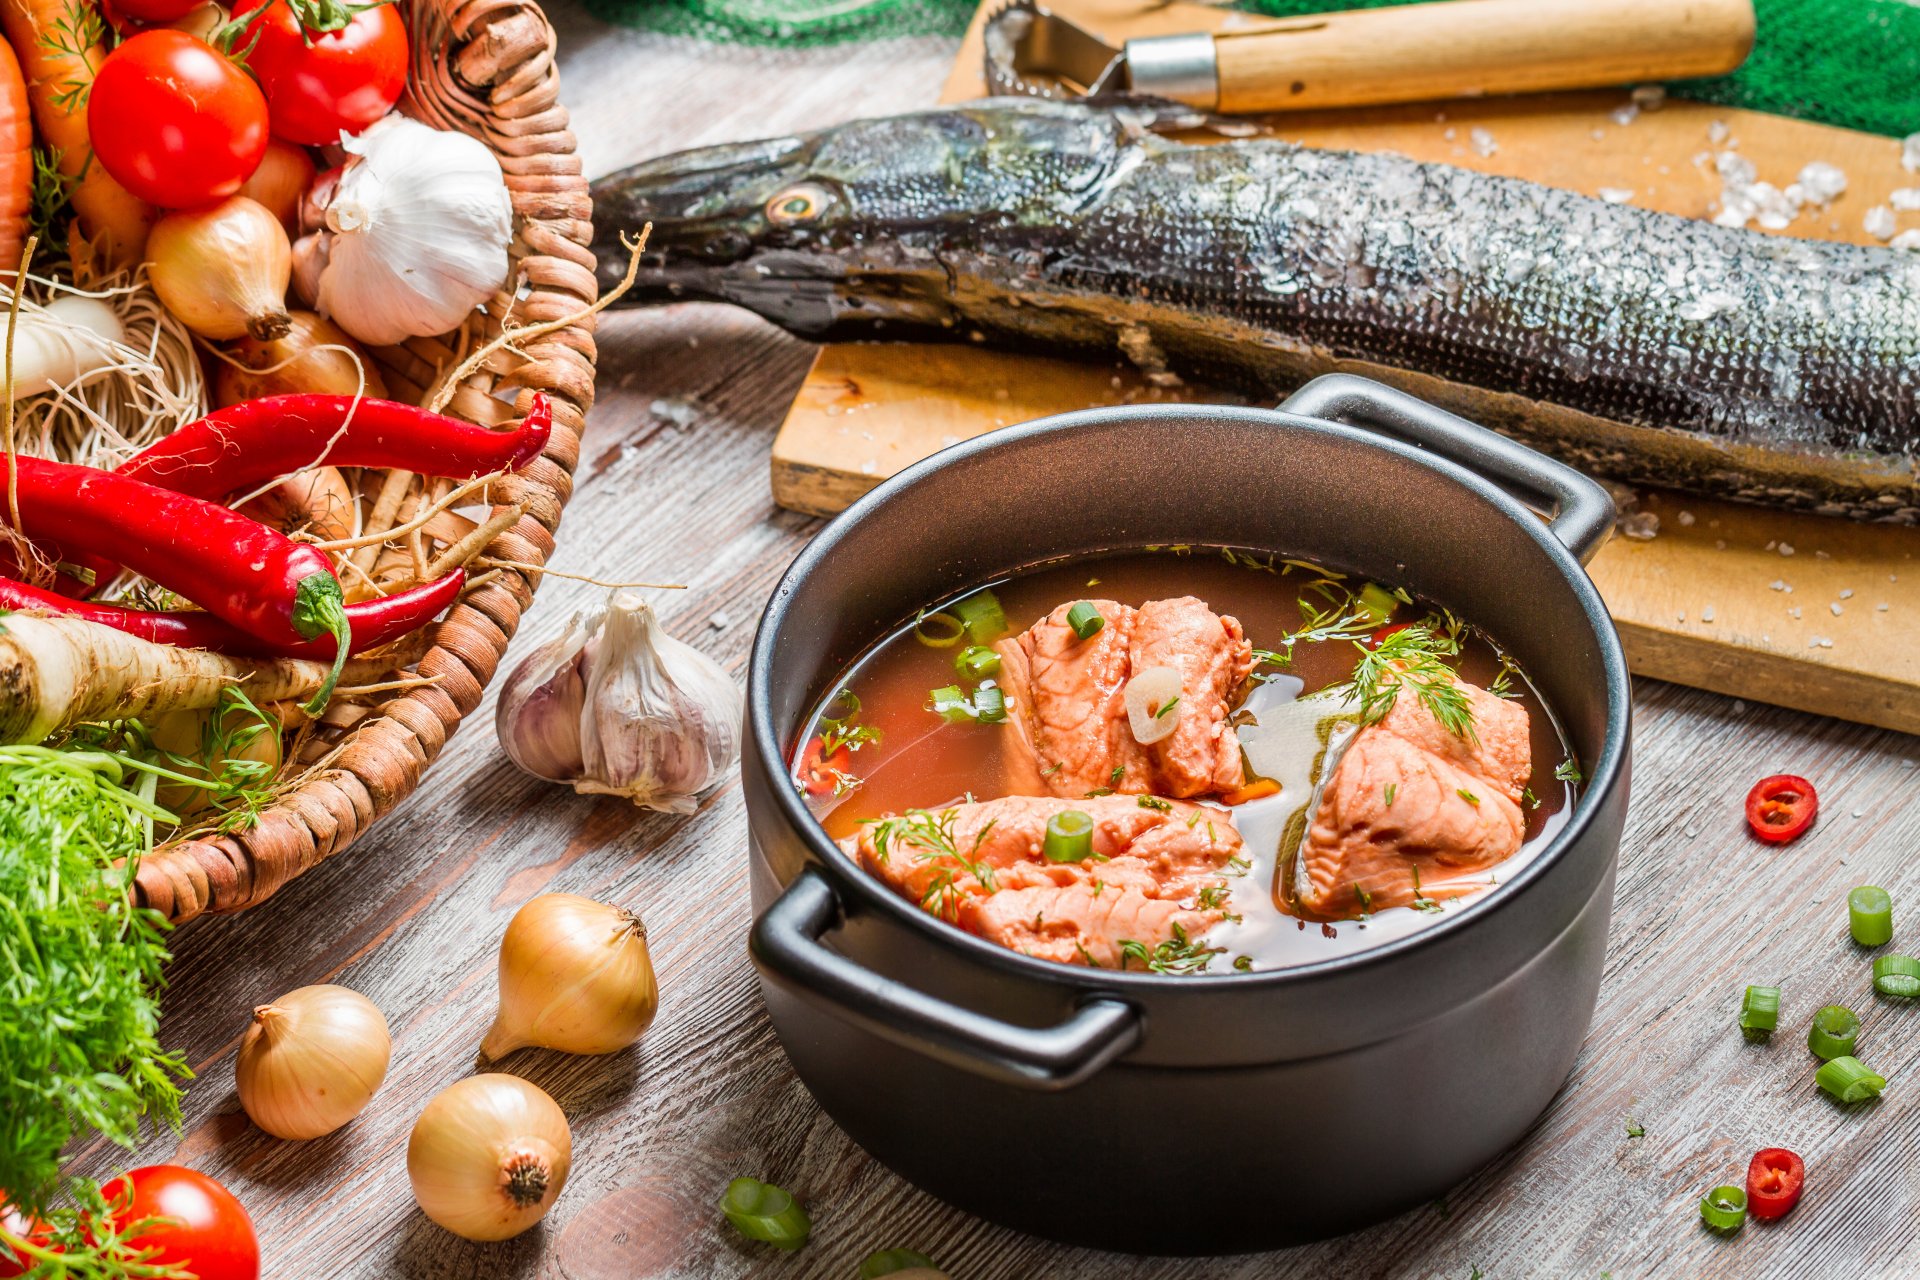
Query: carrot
x=61 y=44
x=16 y=162
x=59 y=672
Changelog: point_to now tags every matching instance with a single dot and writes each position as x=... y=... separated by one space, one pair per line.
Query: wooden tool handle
x=1464 y=48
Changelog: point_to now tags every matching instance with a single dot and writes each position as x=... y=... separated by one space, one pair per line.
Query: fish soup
x=1186 y=760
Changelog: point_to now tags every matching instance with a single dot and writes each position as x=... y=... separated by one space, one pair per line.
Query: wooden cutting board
x=1802 y=611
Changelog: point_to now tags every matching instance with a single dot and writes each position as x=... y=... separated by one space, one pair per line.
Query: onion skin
x=280 y=183
x=296 y=367
x=223 y=269
x=317 y=502
x=575 y=976
x=311 y=1061
x=488 y=1156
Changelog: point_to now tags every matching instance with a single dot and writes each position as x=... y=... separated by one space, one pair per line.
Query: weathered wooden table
x=673 y=486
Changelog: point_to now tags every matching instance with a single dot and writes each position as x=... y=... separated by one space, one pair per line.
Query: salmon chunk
x=981 y=866
x=1415 y=812
x=1067 y=708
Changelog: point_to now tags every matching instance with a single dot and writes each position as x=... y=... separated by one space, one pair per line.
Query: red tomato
x=208 y=1232
x=175 y=121
x=155 y=10
x=820 y=776
x=1781 y=808
x=1774 y=1180
x=318 y=82
x=27 y=1230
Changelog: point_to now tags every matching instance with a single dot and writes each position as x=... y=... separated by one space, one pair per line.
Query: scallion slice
x=761 y=1211
x=1069 y=836
x=951 y=705
x=982 y=616
x=990 y=705
x=1085 y=619
x=977 y=662
x=1724 y=1208
x=887 y=1261
x=938 y=630
x=1376 y=600
x=1847 y=1080
x=1870 y=915
x=1760 y=1012
x=1896 y=976
x=1832 y=1032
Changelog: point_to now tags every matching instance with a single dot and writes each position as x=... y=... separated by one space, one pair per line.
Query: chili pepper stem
x=319 y=608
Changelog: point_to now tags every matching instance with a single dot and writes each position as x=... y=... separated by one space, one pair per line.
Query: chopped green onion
x=887 y=1261
x=951 y=705
x=1849 y=1081
x=1896 y=976
x=761 y=1211
x=1724 y=1208
x=1870 y=915
x=1069 y=836
x=1376 y=600
x=982 y=616
x=938 y=630
x=1760 y=1012
x=976 y=662
x=1085 y=619
x=990 y=705
x=1833 y=1031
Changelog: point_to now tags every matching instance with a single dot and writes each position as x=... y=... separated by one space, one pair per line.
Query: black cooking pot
x=1201 y=1114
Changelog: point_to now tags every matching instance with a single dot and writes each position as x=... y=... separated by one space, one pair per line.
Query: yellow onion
x=319 y=502
x=488 y=1156
x=223 y=269
x=281 y=182
x=311 y=1061
x=314 y=356
x=574 y=976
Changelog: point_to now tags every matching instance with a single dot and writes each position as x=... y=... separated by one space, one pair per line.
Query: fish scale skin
x=1641 y=345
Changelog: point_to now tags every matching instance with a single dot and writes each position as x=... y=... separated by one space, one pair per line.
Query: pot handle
x=1583 y=514
x=786 y=947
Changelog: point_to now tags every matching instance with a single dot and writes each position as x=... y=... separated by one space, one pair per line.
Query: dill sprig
x=1413 y=657
x=1337 y=616
x=51 y=207
x=1178 y=954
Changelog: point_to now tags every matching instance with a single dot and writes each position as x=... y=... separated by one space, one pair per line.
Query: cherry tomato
x=821 y=775
x=175 y=121
x=321 y=82
x=207 y=1233
x=1774 y=1180
x=1781 y=808
x=158 y=11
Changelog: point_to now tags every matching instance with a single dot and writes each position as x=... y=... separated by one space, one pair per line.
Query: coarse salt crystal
x=1686 y=519
x=1882 y=606
x=1794 y=612
x=1625 y=114
x=1905 y=199
x=1483 y=142
x=1786 y=548
x=1779 y=584
x=1847 y=594
x=1449 y=134
x=1837 y=610
x=1616 y=195
x=1717 y=133
x=1821 y=182
x=1908 y=239
x=720 y=621
x=1706 y=614
x=1879 y=222
x=1910 y=153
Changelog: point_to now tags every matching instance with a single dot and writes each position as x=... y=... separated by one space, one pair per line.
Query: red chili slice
x=1781 y=808
x=1379 y=637
x=1774 y=1180
x=820 y=774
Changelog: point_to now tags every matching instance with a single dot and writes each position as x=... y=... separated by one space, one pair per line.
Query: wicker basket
x=485 y=67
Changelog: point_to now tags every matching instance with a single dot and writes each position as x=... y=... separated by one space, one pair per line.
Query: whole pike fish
x=1639 y=345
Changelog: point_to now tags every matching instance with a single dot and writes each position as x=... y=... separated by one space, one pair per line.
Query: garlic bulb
x=414 y=233
x=616 y=706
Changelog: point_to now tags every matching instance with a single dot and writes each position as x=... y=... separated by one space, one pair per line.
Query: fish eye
x=797 y=204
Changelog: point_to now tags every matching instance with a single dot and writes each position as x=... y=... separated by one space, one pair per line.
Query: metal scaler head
x=1037 y=53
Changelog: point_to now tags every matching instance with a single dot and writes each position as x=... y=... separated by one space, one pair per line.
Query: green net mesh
x=1854 y=63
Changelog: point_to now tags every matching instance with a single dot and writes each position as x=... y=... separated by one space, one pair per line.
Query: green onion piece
x=977 y=662
x=951 y=705
x=1870 y=915
x=1849 y=1081
x=938 y=630
x=982 y=616
x=990 y=705
x=1376 y=600
x=887 y=1261
x=761 y=1211
x=1896 y=976
x=1760 y=1012
x=1085 y=619
x=1724 y=1208
x=1833 y=1031
x=1069 y=836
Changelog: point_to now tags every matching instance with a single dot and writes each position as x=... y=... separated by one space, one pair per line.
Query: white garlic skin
x=415 y=234
x=616 y=706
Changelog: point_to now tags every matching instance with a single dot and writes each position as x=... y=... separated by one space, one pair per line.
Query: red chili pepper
x=1781 y=808
x=259 y=580
x=1774 y=1182
x=374 y=622
x=249 y=444
x=819 y=773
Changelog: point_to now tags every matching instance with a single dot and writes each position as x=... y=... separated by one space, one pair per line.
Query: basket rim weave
x=487 y=68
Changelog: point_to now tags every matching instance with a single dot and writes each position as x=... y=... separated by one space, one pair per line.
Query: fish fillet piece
x=980 y=865
x=1068 y=708
x=1415 y=812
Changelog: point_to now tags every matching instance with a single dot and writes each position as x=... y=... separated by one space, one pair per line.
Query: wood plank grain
x=673 y=485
